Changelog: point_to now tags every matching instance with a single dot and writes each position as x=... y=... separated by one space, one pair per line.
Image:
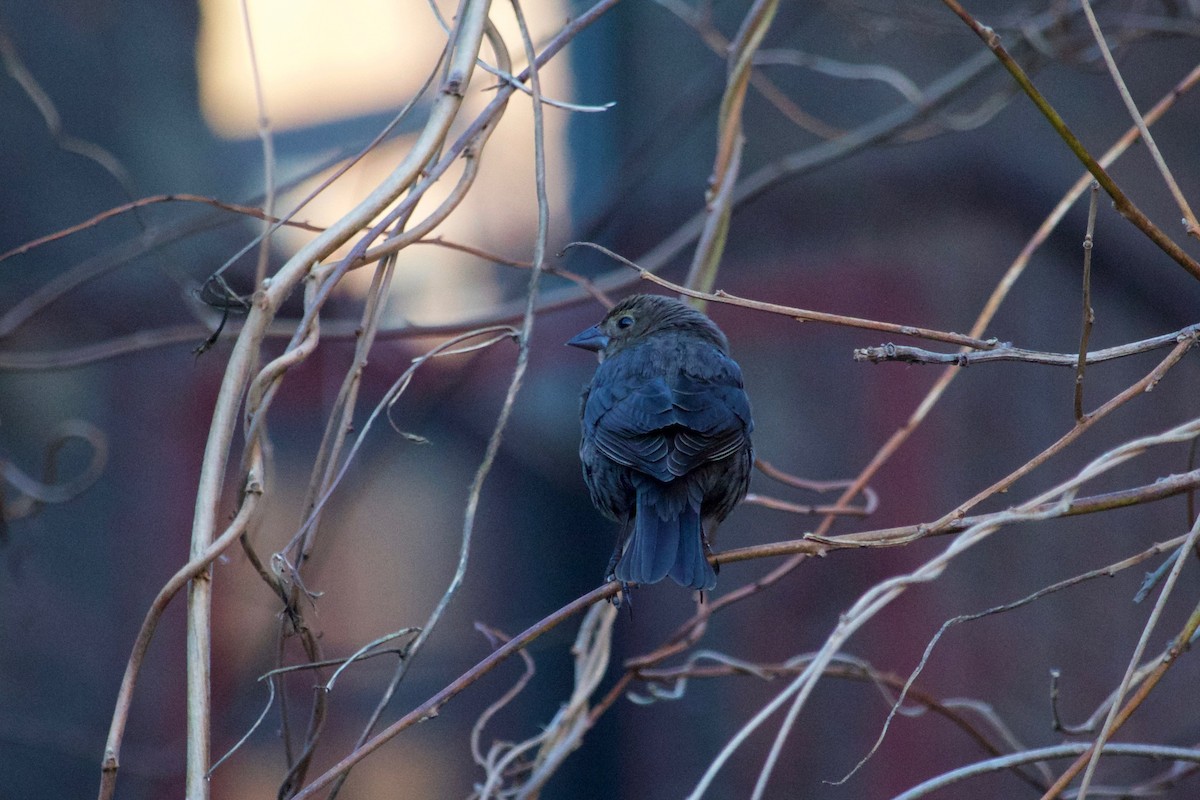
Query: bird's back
x=667 y=406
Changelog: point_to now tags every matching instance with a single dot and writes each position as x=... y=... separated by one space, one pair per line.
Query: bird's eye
x=625 y=321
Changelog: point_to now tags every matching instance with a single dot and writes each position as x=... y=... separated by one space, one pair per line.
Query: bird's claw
x=624 y=596
x=708 y=552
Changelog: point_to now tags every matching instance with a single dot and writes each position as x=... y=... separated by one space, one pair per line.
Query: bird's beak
x=592 y=339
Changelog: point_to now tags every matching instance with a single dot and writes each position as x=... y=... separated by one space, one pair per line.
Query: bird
x=665 y=443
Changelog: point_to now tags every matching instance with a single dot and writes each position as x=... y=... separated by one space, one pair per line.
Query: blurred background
x=106 y=102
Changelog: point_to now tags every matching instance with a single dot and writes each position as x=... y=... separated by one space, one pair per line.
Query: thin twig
x=583 y=283
x=774 y=503
x=246 y=736
x=700 y=20
x=1177 y=647
x=497 y=638
x=1106 y=572
x=1125 y=207
x=718 y=198
x=883 y=593
x=431 y=706
x=1190 y=225
x=798 y=314
x=691 y=630
x=1089 y=315
x=1108 y=728
x=1156 y=752
x=186 y=573
x=813 y=544
x=125 y=208
x=889 y=76
x=15 y=67
x=270 y=675
x=1006 y=352
x=263 y=124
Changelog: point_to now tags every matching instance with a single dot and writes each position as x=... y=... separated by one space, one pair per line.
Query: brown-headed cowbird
x=666 y=437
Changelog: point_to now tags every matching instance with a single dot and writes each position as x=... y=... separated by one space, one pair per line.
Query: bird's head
x=642 y=315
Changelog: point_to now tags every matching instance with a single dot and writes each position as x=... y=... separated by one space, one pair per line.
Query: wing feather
x=668 y=425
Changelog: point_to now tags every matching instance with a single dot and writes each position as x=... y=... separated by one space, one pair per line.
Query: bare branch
x=1156 y=752
x=1124 y=205
x=1191 y=226
x=1006 y=352
x=798 y=314
x=1089 y=316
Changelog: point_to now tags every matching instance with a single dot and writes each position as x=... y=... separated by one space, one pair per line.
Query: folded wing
x=668 y=426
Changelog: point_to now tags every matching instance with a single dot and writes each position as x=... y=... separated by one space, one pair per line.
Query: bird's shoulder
x=669 y=358
x=668 y=380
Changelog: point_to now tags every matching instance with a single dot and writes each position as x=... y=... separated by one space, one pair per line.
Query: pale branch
x=1106 y=571
x=1170 y=486
x=883 y=593
x=178 y=197
x=842 y=668
x=1006 y=352
x=699 y=19
x=50 y=489
x=1189 y=217
x=1110 y=725
x=13 y=64
x=430 y=708
x=1088 y=314
x=1155 y=752
x=718 y=196
x=798 y=314
x=1125 y=207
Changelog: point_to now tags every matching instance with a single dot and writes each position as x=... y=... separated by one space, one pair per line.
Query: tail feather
x=663 y=544
x=691 y=568
x=652 y=547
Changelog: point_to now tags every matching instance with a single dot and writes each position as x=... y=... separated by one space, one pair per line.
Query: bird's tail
x=666 y=540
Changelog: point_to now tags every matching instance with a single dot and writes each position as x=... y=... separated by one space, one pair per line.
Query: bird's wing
x=666 y=426
x=713 y=417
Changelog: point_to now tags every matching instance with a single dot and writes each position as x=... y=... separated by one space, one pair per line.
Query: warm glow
x=320 y=63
